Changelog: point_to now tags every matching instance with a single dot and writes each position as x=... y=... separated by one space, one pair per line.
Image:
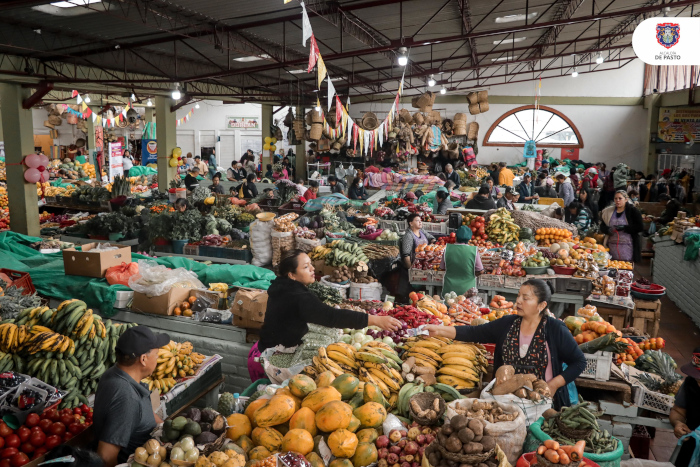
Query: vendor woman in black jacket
x=291 y=306
x=531 y=341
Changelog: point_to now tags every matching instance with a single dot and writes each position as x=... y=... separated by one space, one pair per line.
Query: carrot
x=551 y=444
x=541 y=449
x=563 y=457
x=551 y=456
x=577 y=452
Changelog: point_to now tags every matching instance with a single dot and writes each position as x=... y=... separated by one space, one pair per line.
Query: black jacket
x=523 y=192
x=671 y=211
x=290 y=306
x=546 y=191
x=634 y=227
x=562 y=347
x=357 y=192
x=479 y=202
x=454 y=176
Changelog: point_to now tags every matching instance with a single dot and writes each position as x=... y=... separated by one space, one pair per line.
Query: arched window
x=549 y=128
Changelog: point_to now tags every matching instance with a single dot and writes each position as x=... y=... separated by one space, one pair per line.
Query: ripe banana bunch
x=175 y=360
x=502 y=228
x=73 y=318
x=42 y=315
x=9 y=337
x=320 y=252
x=162 y=384
x=42 y=339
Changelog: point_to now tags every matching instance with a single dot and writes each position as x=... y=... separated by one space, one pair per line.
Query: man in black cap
x=685 y=414
x=123 y=417
x=482 y=200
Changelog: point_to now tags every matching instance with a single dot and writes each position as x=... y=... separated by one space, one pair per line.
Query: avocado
x=192 y=428
x=178 y=423
x=170 y=434
x=205 y=437
x=194 y=414
x=208 y=415
x=205 y=426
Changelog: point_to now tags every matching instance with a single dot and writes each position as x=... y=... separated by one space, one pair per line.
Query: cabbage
x=367 y=339
x=388 y=340
x=347 y=338
x=358 y=337
x=357 y=345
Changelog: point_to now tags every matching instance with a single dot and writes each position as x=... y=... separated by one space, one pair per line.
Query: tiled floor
x=682 y=336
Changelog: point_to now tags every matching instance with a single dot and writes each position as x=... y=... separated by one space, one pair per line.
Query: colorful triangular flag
x=331 y=93
x=313 y=54
x=79 y=99
x=306 y=31
x=74 y=93
x=321 y=70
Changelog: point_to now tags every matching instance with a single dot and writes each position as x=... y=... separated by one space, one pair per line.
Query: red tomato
x=57 y=428
x=67 y=436
x=67 y=419
x=32 y=420
x=40 y=451
x=52 y=415
x=52 y=441
x=37 y=428
x=23 y=432
x=5 y=463
x=38 y=439
x=18 y=460
x=12 y=441
x=78 y=411
x=5 y=430
x=8 y=452
x=27 y=448
x=85 y=408
x=45 y=425
x=75 y=428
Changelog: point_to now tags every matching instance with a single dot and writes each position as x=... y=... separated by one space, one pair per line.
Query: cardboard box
x=248 y=308
x=160 y=304
x=94 y=263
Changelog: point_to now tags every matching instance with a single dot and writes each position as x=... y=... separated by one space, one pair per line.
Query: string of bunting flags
x=367 y=140
x=86 y=113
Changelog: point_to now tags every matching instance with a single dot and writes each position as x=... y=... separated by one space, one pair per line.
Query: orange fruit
x=185 y=305
x=192 y=300
x=187 y=313
x=177 y=311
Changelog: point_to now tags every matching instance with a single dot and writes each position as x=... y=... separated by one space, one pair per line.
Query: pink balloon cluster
x=36 y=171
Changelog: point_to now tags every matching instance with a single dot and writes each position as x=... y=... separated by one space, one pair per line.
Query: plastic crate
x=436 y=227
x=597 y=366
x=239 y=254
x=18 y=279
x=438 y=276
x=292 y=206
x=419 y=275
x=192 y=250
x=651 y=400
x=491 y=280
x=359 y=204
x=389 y=224
x=574 y=286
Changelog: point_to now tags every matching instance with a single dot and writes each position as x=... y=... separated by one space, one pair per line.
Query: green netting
x=138 y=170
x=49 y=279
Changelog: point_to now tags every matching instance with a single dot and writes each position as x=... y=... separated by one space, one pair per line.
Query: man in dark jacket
x=671 y=208
x=482 y=200
x=451 y=175
x=527 y=190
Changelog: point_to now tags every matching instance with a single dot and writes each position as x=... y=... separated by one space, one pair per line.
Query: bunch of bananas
x=174 y=360
x=345 y=253
x=218 y=287
x=459 y=365
x=320 y=252
x=375 y=362
x=42 y=339
x=501 y=227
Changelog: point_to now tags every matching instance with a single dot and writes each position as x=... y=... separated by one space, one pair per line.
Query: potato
x=434 y=458
x=473 y=448
x=458 y=422
x=478 y=438
x=442 y=438
x=453 y=443
x=476 y=426
x=489 y=442
x=465 y=435
x=447 y=429
x=534 y=396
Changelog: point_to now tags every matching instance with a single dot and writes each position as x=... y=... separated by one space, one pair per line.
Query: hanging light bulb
x=403 y=58
x=176 y=93
x=443 y=90
x=574 y=73
x=317 y=108
x=600 y=59
x=87 y=98
x=431 y=81
x=196 y=106
x=149 y=103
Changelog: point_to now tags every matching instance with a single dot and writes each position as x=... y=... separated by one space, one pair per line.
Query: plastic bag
x=215 y=316
x=510 y=436
x=692 y=244
x=260 y=242
x=120 y=274
x=652 y=228
x=532 y=410
x=154 y=279
x=392 y=423
x=105 y=247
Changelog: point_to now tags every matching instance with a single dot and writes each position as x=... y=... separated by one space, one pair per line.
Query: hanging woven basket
x=55 y=120
x=72 y=119
x=405 y=116
x=460 y=128
x=316 y=131
x=424 y=102
x=418 y=118
x=298 y=125
x=460 y=117
x=316 y=117
x=483 y=107
x=472 y=98
x=482 y=96
x=369 y=121
x=473 y=132
x=474 y=109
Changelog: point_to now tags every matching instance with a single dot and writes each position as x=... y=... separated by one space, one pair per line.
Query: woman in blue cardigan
x=531 y=341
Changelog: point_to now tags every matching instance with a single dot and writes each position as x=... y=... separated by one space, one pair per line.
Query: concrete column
x=167 y=140
x=149 y=114
x=266 y=123
x=16 y=121
x=651 y=104
x=300 y=150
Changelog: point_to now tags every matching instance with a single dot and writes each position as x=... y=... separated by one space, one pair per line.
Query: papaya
x=324 y=379
x=320 y=397
x=283 y=428
x=356 y=401
x=333 y=416
x=315 y=460
x=304 y=419
x=269 y=438
x=252 y=407
x=298 y=440
x=354 y=424
x=258 y=453
x=367 y=435
x=342 y=443
x=301 y=385
x=279 y=409
x=340 y=463
x=287 y=392
x=239 y=425
x=346 y=384
x=371 y=415
x=365 y=454
x=372 y=393
x=245 y=443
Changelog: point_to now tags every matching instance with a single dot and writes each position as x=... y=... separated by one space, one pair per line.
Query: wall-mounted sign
x=245 y=123
x=116 y=154
x=679 y=125
x=149 y=151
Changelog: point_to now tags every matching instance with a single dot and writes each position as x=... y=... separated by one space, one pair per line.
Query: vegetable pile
x=524 y=386
x=578 y=417
x=462 y=436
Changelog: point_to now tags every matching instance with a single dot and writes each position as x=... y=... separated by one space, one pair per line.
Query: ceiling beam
x=41 y=90
x=465 y=13
x=565 y=11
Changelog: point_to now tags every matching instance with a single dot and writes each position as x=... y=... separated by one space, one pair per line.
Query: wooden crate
x=646 y=316
x=619 y=317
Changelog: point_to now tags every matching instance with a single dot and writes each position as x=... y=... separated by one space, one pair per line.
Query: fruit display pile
x=501 y=227
x=428 y=257
x=175 y=360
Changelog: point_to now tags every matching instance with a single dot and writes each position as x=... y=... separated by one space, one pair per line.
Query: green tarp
x=138 y=170
x=49 y=279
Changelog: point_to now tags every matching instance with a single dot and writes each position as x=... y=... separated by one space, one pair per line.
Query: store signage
x=149 y=152
x=116 y=154
x=245 y=123
x=668 y=41
x=678 y=125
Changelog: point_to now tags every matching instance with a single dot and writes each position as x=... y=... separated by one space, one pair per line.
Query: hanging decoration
x=36 y=168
